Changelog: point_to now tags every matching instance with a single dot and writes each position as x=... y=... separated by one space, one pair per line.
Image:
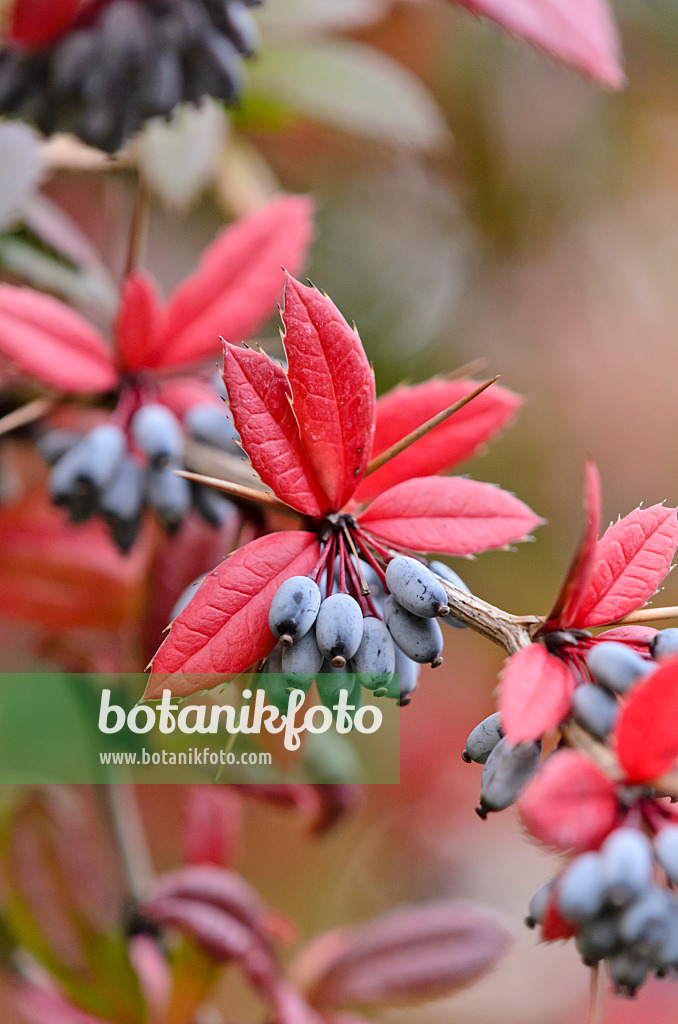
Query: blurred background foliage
x=474 y=201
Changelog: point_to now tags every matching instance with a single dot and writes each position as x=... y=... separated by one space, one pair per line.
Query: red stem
x=332 y=543
x=358 y=538
x=342 y=565
x=317 y=569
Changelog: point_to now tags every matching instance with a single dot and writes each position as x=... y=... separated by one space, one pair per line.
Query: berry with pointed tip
x=213 y=426
x=294 y=608
x=440 y=569
x=169 y=495
x=666 y=850
x=595 y=709
x=616 y=666
x=538 y=904
x=416 y=588
x=581 y=892
x=626 y=865
x=404 y=681
x=420 y=639
x=339 y=628
x=303 y=660
x=157 y=432
x=483 y=739
x=628 y=971
x=664 y=644
x=506 y=772
x=374 y=661
x=122 y=502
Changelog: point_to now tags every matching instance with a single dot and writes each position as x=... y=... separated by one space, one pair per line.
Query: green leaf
x=352 y=87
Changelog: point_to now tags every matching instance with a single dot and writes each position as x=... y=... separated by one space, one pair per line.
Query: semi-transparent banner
x=72 y=728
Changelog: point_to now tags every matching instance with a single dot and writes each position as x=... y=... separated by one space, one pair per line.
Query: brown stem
x=596 y=996
x=26 y=414
x=239 y=491
x=424 y=429
x=508 y=631
x=646 y=615
x=138 y=225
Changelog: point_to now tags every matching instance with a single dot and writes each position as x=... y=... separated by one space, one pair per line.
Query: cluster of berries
x=377 y=621
x=124 y=61
x=618 y=904
x=119 y=468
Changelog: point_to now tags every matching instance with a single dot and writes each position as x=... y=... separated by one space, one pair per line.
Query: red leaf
x=571 y=804
x=573 y=590
x=553 y=926
x=458 y=438
x=259 y=394
x=411 y=953
x=235 y=288
x=536 y=693
x=183 y=393
x=647 y=730
x=212 y=825
x=581 y=33
x=50 y=342
x=632 y=558
x=224 y=629
x=450 y=515
x=332 y=390
x=140 y=322
x=36 y=22
x=637 y=637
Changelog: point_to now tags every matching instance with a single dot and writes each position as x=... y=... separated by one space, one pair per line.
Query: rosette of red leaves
x=607 y=580
x=310 y=433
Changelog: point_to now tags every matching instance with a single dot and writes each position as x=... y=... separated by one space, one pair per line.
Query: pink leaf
x=571 y=804
x=140 y=322
x=259 y=395
x=43 y=1004
x=536 y=693
x=581 y=33
x=51 y=343
x=573 y=590
x=224 y=629
x=409 y=954
x=647 y=730
x=451 y=515
x=225 y=890
x=632 y=558
x=637 y=637
x=458 y=438
x=212 y=825
x=235 y=288
x=332 y=390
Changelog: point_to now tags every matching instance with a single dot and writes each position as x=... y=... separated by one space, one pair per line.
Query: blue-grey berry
x=294 y=608
x=416 y=588
x=339 y=628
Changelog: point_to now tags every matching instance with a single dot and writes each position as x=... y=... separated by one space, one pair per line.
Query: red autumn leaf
x=224 y=629
x=52 y=343
x=637 y=637
x=183 y=393
x=573 y=590
x=647 y=730
x=553 y=925
x=458 y=438
x=450 y=515
x=581 y=33
x=235 y=288
x=632 y=558
x=259 y=395
x=333 y=391
x=140 y=321
x=536 y=693
x=36 y=22
x=571 y=804
x=410 y=954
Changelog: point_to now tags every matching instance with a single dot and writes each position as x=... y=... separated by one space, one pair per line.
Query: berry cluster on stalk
x=377 y=621
x=121 y=62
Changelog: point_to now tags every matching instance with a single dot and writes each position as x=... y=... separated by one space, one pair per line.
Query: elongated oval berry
x=507 y=771
x=122 y=502
x=599 y=937
x=157 y=432
x=440 y=569
x=646 y=920
x=664 y=644
x=628 y=971
x=339 y=628
x=483 y=739
x=595 y=709
x=416 y=588
x=666 y=956
x=616 y=666
x=278 y=684
x=294 y=609
x=213 y=426
x=420 y=639
x=666 y=850
x=581 y=892
x=303 y=659
x=626 y=858
x=405 y=679
x=169 y=495
x=538 y=904
x=104 y=447
x=374 y=661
